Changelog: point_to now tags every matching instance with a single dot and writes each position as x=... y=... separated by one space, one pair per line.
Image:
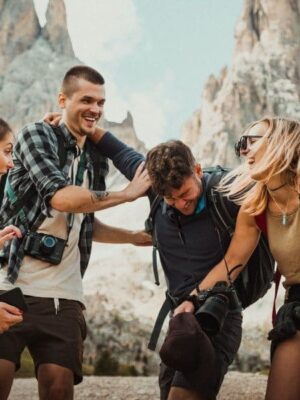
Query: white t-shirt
x=42 y=279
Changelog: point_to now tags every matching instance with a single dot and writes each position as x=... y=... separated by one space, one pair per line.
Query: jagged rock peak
x=264 y=79
x=129 y=119
x=19 y=29
x=262 y=22
x=55 y=29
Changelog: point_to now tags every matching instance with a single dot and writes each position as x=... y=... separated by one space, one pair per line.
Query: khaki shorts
x=51 y=337
x=226 y=344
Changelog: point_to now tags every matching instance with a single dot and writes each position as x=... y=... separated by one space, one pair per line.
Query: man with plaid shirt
x=58 y=226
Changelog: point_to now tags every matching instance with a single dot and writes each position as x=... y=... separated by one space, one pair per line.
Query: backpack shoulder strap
x=218 y=209
x=149 y=227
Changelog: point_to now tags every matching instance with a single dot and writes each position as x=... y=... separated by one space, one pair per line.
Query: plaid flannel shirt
x=37 y=168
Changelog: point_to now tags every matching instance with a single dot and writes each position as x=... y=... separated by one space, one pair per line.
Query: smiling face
x=185 y=199
x=256 y=147
x=6 y=147
x=83 y=108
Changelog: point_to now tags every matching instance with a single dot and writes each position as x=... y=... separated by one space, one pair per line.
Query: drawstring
x=56 y=305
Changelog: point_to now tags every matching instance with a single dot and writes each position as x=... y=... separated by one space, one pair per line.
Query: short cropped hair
x=4 y=128
x=69 y=84
x=168 y=165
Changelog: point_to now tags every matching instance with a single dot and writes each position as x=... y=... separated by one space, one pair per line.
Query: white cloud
x=150 y=107
x=149 y=116
x=103 y=31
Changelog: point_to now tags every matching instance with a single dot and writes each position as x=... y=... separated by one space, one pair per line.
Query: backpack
x=256 y=277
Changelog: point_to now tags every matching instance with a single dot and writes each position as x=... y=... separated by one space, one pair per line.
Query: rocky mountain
x=263 y=79
x=33 y=61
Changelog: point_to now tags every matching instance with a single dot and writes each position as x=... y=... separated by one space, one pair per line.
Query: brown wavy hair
x=168 y=165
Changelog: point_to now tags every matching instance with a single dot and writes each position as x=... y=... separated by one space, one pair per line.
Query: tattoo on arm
x=98 y=195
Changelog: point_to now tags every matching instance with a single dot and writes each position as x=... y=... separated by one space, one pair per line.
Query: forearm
x=242 y=245
x=111 y=234
x=219 y=273
x=75 y=199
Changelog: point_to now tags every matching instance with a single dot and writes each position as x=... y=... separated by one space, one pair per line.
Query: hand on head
x=52 y=118
x=139 y=184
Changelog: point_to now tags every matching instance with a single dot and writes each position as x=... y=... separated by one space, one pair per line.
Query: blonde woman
x=268 y=188
x=9 y=315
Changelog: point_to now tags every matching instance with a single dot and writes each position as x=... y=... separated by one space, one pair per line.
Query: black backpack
x=254 y=280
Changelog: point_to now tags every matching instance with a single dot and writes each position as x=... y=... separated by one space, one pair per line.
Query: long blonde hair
x=281 y=146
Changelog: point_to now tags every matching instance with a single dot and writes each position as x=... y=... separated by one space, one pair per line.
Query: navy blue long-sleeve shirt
x=188 y=245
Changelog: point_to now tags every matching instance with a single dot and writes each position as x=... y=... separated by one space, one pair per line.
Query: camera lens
x=211 y=315
x=48 y=243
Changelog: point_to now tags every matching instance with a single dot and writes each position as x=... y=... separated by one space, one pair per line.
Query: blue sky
x=154 y=54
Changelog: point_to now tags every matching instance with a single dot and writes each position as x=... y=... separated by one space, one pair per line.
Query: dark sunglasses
x=242 y=144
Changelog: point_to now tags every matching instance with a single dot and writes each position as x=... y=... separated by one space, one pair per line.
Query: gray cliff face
x=30 y=82
x=19 y=29
x=55 y=31
x=263 y=80
x=33 y=61
x=124 y=130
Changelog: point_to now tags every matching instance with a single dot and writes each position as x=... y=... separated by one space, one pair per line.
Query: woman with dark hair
x=9 y=315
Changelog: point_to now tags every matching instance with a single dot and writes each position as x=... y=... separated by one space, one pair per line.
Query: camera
x=44 y=247
x=214 y=305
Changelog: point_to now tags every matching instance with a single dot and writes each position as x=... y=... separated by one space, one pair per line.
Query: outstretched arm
x=243 y=243
x=111 y=234
x=124 y=158
x=77 y=199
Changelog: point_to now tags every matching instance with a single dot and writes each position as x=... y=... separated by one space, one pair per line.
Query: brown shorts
x=226 y=344
x=51 y=337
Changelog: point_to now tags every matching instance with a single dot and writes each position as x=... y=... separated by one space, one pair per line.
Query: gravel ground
x=237 y=386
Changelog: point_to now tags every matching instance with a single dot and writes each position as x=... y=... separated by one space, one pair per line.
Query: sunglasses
x=244 y=141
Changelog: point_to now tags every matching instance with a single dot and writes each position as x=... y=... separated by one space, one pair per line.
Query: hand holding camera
x=212 y=306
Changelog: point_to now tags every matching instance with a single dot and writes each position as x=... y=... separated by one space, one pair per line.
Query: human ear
x=198 y=170
x=62 y=100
